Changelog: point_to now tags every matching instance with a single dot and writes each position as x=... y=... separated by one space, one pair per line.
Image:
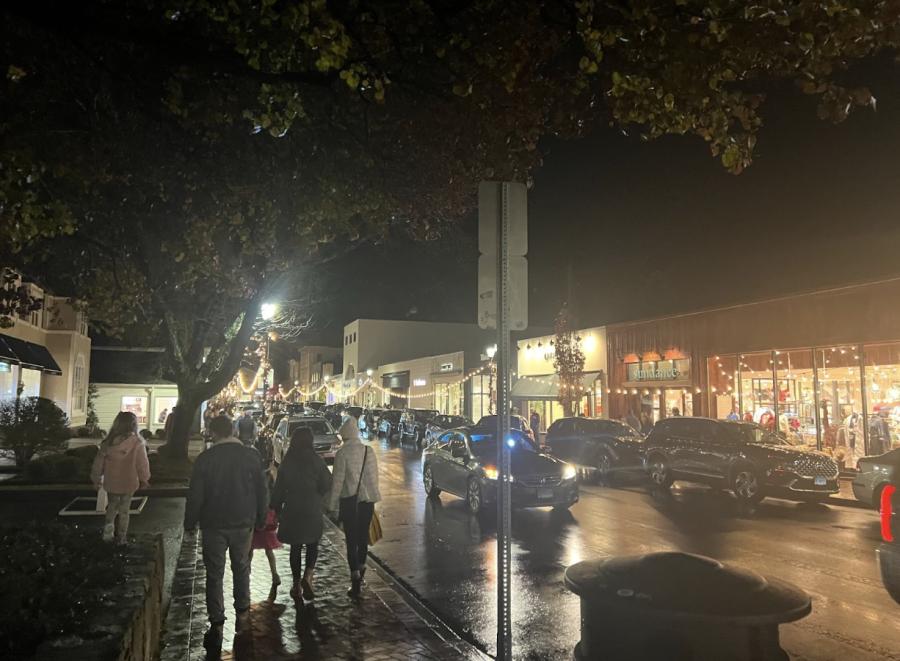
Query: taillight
x=887 y=512
x=857 y=466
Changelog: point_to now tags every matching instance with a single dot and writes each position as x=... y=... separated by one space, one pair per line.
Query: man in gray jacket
x=228 y=497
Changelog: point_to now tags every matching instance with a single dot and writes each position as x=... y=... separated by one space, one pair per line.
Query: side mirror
x=547 y=449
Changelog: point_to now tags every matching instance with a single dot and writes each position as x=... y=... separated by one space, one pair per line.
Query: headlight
x=490 y=473
x=569 y=473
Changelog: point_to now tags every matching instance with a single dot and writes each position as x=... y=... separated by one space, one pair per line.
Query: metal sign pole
x=504 y=619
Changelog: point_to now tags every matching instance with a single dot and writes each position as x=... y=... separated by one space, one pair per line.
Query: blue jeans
x=236 y=541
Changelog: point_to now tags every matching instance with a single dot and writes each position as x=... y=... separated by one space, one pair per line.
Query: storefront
x=821 y=368
x=536 y=388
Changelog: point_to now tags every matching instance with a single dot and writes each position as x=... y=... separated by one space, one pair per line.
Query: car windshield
x=515 y=422
x=484 y=444
x=392 y=416
x=750 y=433
x=318 y=427
x=423 y=416
x=457 y=421
x=620 y=429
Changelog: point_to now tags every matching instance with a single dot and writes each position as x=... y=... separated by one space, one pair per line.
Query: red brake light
x=857 y=466
x=886 y=512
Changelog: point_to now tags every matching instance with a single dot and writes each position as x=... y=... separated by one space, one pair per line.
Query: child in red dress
x=267 y=538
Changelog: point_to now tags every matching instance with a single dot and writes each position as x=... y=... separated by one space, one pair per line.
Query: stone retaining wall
x=127 y=629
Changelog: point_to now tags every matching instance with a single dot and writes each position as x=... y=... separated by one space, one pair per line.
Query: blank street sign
x=488 y=294
x=489 y=210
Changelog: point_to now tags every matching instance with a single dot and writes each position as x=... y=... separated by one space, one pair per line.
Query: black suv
x=441 y=423
x=412 y=424
x=753 y=461
x=604 y=446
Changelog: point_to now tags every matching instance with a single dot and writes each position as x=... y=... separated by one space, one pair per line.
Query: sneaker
x=355 y=588
x=108 y=532
x=212 y=640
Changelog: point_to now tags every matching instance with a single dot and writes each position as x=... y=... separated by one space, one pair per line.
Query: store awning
x=545 y=387
x=29 y=355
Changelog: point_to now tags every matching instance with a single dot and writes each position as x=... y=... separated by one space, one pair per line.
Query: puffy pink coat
x=121 y=464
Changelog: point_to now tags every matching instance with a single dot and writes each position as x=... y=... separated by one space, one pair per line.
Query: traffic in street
x=446 y=556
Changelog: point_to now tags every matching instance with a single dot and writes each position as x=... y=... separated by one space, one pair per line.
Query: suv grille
x=549 y=481
x=813 y=468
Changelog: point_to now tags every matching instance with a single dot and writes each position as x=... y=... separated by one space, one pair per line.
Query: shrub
x=164 y=468
x=69 y=467
x=32 y=426
x=53 y=576
x=161 y=434
x=37 y=470
x=86 y=453
x=146 y=434
x=83 y=432
x=91 y=419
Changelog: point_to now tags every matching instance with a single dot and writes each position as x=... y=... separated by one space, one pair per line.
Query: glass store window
x=757 y=388
x=138 y=406
x=882 y=363
x=31 y=383
x=7 y=381
x=723 y=387
x=841 y=414
x=795 y=380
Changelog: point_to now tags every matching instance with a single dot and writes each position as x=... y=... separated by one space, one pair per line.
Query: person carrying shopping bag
x=303 y=482
x=121 y=467
x=354 y=492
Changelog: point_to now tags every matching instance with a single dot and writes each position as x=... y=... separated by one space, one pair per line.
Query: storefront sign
x=447 y=367
x=418 y=383
x=663 y=370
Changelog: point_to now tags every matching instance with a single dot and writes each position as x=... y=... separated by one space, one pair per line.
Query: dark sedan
x=463 y=462
x=441 y=423
x=889 y=551
x=751 y=460
x=603 y=446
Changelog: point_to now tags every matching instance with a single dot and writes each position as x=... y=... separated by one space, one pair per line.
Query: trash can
x=680 y=607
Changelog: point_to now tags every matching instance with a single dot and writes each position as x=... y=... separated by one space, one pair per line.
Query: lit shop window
x=138 y=406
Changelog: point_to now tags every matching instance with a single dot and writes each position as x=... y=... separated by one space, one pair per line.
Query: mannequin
x=855 y=435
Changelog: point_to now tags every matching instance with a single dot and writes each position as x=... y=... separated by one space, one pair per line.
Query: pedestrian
x=675 y=412
x=246 y=428
x=536 y=425
x=354 y=492
x=646 y=423
x=632 y=420
x=227 y=497
x=170 y=421
x=267 y=538
x=303 y=482
x=121 y=468
x=161 y=419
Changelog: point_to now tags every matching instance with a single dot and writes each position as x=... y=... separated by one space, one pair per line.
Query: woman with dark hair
x=303 y=480
x=121 y=467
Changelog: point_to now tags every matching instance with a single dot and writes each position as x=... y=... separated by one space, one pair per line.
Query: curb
x=166 y=491
x=434 y=623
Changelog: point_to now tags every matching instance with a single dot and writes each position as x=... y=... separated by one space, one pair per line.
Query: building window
x=796 y=397
x=36 y=318
x=78 y=388
x=31 y=382
x=757 y=388
x=883 y=396
x=138 y=406
x=354 y=337
x=7 y=381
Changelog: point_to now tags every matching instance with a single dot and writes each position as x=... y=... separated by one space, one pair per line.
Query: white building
x=537 y=386
x=47 y=353
x=313 y=365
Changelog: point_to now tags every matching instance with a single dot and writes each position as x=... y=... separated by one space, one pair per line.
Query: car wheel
x=604 y=464
x=473 y=496
x=660 y=472
x=428 y=481
x=746 y=485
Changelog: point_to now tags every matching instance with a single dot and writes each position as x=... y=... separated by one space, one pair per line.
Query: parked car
x=441 y=423
x=389 y=423
x=355 y=411
x=368 y=421
x=603 y=446
x=888 y=553
x=318 y=407
x=412 y=424
x=326 y=440
x=751 y=460
x=516 y=422
x=463 y=462
x=873 y=474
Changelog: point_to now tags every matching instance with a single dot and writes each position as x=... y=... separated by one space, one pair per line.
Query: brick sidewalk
x=378 y=627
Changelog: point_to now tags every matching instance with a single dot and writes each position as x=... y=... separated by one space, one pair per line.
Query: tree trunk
x=189 y=401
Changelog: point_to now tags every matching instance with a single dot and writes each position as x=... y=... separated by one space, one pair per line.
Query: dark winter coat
x=298 y=499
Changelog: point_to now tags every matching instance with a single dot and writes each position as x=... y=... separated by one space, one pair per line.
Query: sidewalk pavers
x=380 y=626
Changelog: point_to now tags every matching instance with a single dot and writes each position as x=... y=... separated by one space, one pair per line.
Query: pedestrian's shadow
x=265 y=637
x=311 y=631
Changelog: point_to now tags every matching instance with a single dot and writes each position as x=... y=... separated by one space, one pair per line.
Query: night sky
x=651 y=228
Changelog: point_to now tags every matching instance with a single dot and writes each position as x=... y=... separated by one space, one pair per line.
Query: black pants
x=312 y=554
x=356 y=522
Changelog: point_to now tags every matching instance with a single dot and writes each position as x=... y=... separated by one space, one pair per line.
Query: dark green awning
x=28 y=355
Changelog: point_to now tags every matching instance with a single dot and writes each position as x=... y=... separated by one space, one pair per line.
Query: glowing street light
x=492 y=351
x=368 y=372
x=267 y=311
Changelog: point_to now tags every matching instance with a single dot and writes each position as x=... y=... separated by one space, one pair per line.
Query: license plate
x=820 y=481
x=545 y=493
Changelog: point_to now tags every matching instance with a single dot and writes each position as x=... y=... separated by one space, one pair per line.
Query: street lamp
x=368 y=372
x=492 y=351
x=267 y=311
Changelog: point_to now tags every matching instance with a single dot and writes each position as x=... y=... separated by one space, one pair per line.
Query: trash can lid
x=686 y=586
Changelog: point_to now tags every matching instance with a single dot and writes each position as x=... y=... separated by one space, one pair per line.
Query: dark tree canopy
x=176 y=162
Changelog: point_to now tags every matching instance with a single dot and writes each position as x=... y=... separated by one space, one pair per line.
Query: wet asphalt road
x=448 y=559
